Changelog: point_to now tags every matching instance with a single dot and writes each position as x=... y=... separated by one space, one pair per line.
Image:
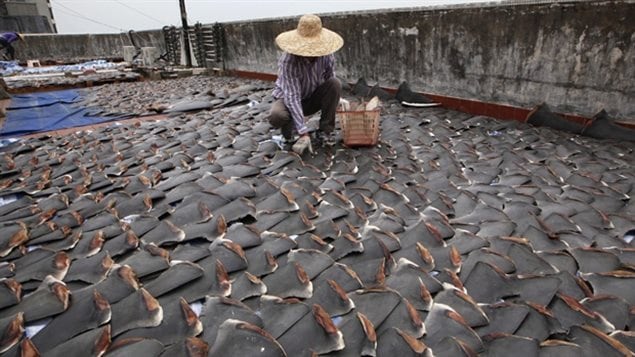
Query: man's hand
x=303 y=143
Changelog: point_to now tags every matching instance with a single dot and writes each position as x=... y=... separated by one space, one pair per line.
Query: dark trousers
x=325 y=98
x=9 y=48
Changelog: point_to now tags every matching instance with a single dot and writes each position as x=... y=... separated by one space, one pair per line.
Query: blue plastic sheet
x=38 y=112
x=8 y=68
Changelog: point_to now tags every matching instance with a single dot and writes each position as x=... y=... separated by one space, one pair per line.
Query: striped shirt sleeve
x=9 y=37
x=329 y=67
x=293 y=92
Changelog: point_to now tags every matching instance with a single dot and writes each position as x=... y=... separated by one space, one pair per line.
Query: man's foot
x=328 y=139
x=303 y=143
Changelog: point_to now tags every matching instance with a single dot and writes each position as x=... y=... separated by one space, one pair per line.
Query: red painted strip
x=626 y=125
x=498 y=111
x=254 y=75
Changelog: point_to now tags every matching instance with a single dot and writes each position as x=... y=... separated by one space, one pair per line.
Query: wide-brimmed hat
x=310 y=39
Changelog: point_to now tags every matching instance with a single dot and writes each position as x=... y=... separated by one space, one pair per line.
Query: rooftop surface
x=198 y=235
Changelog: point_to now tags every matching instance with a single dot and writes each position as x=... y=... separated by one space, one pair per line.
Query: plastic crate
x=360 y=128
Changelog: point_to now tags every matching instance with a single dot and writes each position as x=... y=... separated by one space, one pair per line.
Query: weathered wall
x=68 y=48
x=579 y=57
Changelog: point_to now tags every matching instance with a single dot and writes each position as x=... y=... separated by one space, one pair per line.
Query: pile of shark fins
x=198 y=236
x=599 y=127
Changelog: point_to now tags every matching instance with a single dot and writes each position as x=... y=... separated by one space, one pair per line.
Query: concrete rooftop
x=197 y=235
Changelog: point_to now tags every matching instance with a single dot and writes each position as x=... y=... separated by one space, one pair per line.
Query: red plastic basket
x=360 y=128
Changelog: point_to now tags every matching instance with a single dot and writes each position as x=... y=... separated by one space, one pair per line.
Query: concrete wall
x=71 y=48
x=579 y=57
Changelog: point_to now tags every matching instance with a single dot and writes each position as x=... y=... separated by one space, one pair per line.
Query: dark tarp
x=46 y=111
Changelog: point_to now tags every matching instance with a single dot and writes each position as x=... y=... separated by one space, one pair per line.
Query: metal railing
x=207 y=44
x=172 y=37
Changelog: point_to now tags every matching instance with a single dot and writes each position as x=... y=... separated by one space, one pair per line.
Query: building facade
x=27 y=16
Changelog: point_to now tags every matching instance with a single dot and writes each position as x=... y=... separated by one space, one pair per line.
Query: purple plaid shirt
x=9 y=37
x=298 y=78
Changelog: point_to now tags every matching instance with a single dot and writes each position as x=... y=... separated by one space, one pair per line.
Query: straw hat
x=310 y=39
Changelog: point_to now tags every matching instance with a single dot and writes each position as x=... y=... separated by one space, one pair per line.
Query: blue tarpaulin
x=8 y=68
x=38 y=112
